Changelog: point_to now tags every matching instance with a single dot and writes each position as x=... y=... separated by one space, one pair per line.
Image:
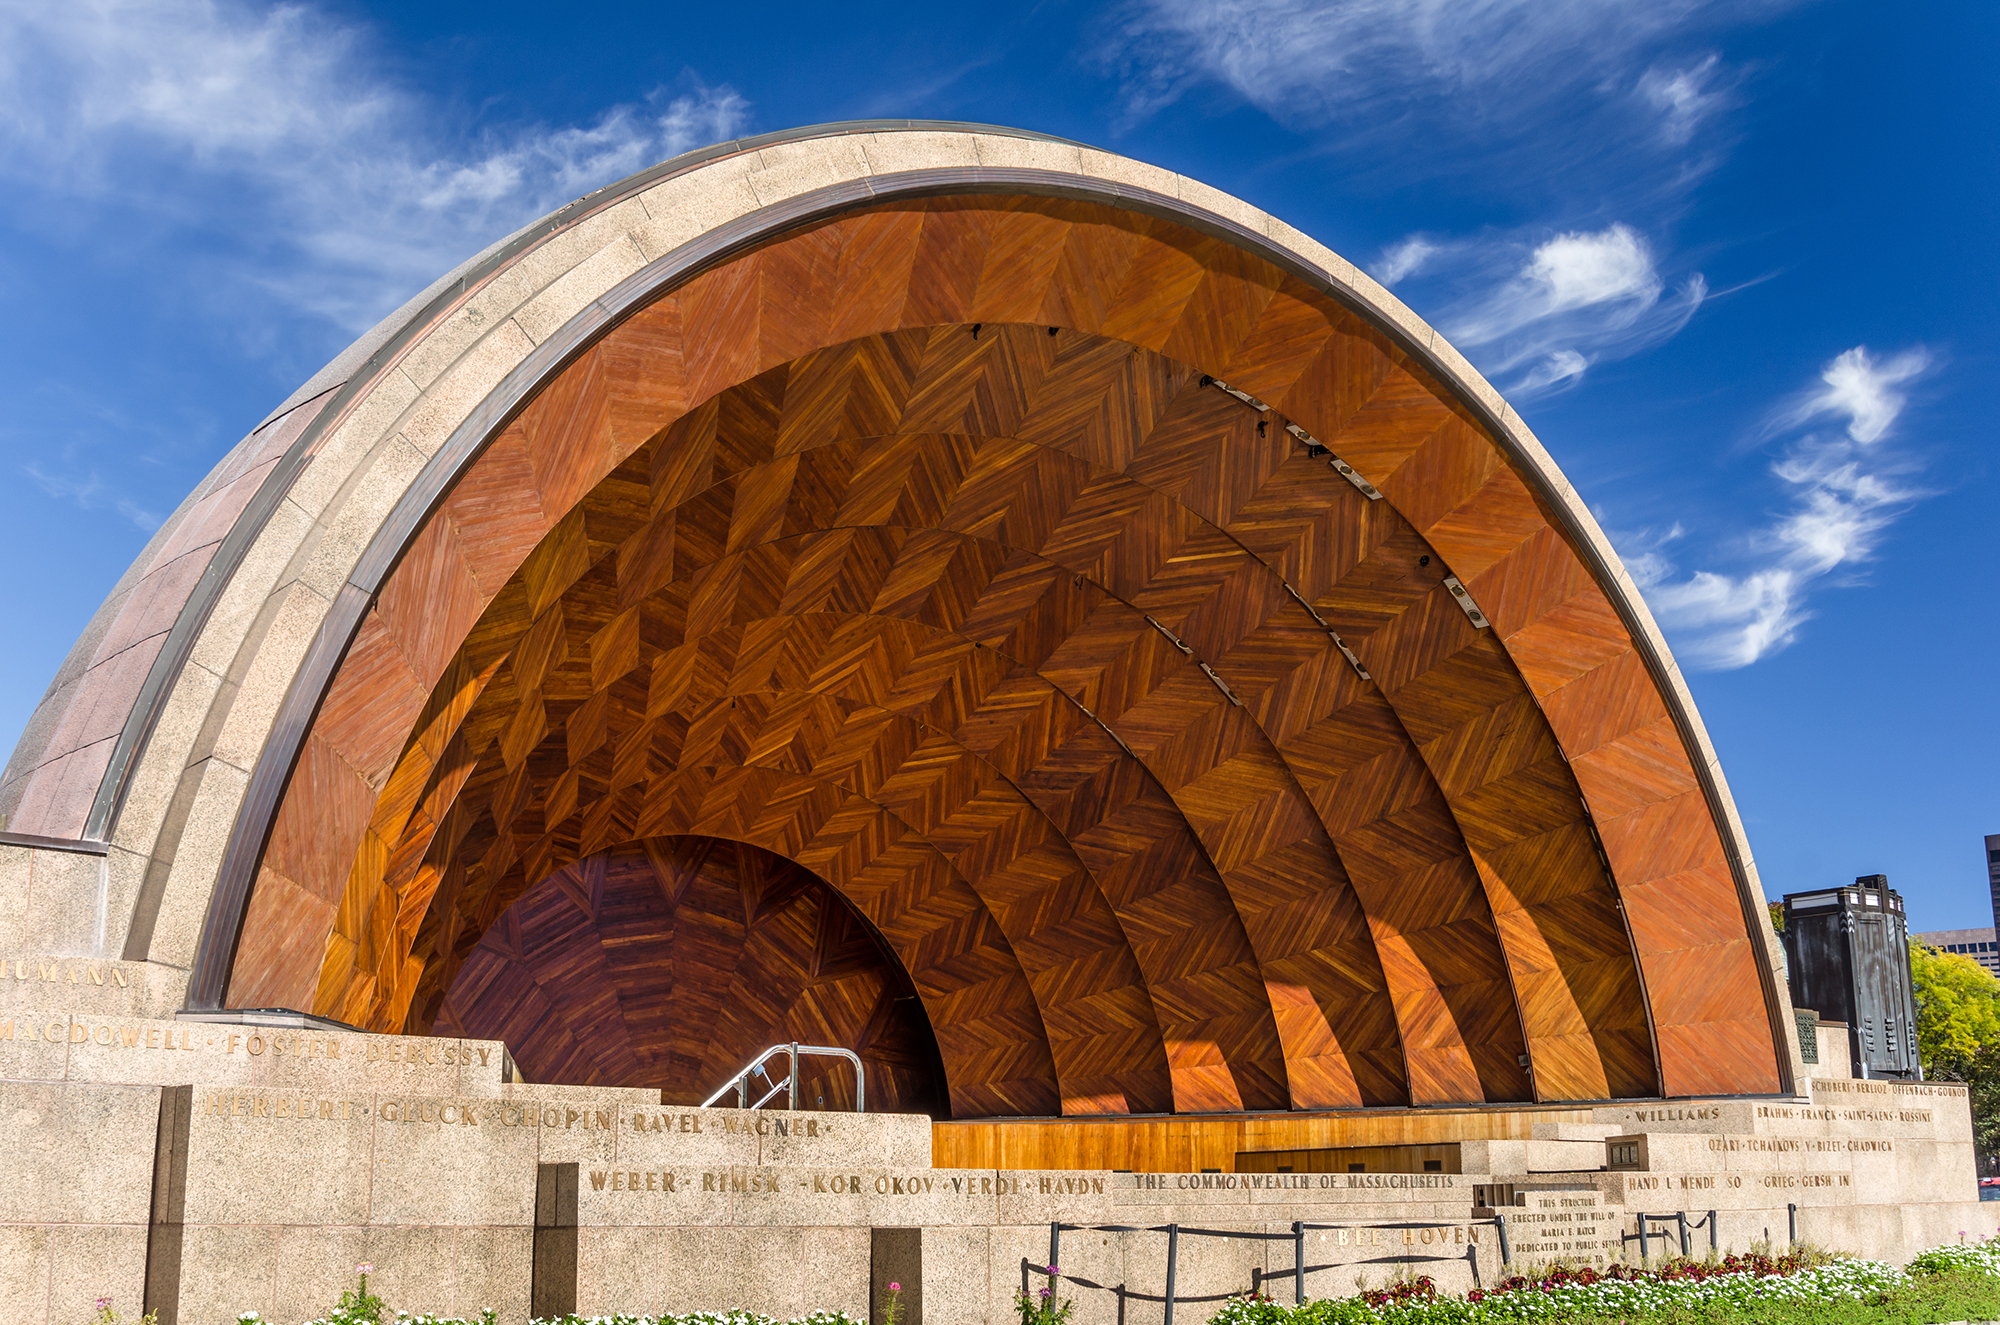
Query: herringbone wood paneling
x=915 y=548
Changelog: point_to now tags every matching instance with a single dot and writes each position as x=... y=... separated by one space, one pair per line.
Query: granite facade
x=206 y=1169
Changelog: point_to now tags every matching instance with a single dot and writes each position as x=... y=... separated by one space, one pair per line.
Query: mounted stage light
x=1229 y=390
x=1464 y=600
x=1317 y=448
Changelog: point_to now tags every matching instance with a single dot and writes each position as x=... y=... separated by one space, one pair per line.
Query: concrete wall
x=207 y=1169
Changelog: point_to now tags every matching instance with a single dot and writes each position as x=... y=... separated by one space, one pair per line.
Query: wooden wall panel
x=1019 y=613
x=1195 y=1145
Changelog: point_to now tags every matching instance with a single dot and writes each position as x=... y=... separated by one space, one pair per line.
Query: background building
x=1978 y=944
x=1993 y=873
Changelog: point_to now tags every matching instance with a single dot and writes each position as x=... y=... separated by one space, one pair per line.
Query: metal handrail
x=741 y=1081
x=1297 y=1237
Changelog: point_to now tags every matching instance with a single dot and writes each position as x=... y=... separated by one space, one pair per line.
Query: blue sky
x=1734 y=262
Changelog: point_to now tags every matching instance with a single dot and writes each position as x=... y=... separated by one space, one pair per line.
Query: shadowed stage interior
x=669 y=962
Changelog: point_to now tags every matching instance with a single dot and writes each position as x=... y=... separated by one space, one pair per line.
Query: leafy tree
x=1958 y=1035
x=1958 y=1008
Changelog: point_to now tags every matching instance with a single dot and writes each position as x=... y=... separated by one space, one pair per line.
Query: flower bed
x=1953 y=1283
x=691 y=1318
x=1801 y=1285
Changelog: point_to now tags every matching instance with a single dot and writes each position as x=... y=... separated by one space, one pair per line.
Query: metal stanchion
x=1173 y=1254
x=1299 y=1259
x=1714 y=1239
x=1681 y=1218
x=1792 y=1223
x=1055 y=1250
x=1645 y=1247
x=1506 y=1257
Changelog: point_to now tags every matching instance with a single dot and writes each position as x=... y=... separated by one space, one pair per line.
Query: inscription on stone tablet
x=1845 y=1115
x=1563 y=1226
x=1838 y=1086
x=63 y=971
x=1287 y=1181
x=113 y=1037
x=414 y=1050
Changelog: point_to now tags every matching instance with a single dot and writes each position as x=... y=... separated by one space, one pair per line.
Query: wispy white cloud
x=1684 y=97
x=270 y=172
x=1542 y=310
x=276 y=129
x=1869 y=394
x=1315 y=60
x=1845 y=490
x=1404 y=259
x=91 y=494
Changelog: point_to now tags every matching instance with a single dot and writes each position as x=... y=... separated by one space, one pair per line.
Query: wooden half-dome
x=977 y=555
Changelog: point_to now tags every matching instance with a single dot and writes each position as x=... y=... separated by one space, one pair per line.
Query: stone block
x=957 y=1280
x=689 y=206
x=415 y=1266
x=446 y=1161
x=37 y=986
x=1574 y=1131
x=197 y=859
x=1123 y=170
x=13 y=897
x=1689 y=1116
x=545 y=314
x=779 y=1272
x=664 y=1136
x=1564 y=1156
x=68 y=904
x=227 y=1269
x=92 y=1261
x=1225 y=205
x=891 y=153
x=785 y=170
x=491 y=1269
x=33 y=1047
x=351 y=521
x=24 y=1271
x=447 y=402
x=525 y=278
x=79 y=1154
x=1007 y=150
x=352 y=441
x=215 y=650
x=265 y=1157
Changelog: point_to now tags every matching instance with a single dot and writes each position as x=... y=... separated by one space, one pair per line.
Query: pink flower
x=1055 y=1269
x=895 y=1288
x=365 y=1269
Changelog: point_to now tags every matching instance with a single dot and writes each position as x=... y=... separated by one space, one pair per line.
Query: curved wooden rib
x=870 y=564
x=1450 y=799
